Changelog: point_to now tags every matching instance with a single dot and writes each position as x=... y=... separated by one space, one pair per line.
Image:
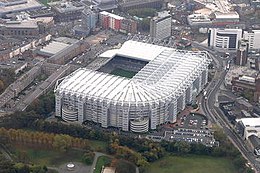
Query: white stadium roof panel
x=168 y=72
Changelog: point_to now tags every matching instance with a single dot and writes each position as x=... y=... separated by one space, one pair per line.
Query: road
x=97 y=155
x=215 y=114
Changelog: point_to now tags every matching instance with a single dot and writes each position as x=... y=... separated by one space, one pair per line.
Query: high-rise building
x=224 y=38
x=89 y=18
x=253 y=38
x=242 y=53
x=160 y=26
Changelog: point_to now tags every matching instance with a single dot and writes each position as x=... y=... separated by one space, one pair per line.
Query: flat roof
x=111 y=15
x=53 y=47
x=232 y=15
x=250 y=121
x=31 y=4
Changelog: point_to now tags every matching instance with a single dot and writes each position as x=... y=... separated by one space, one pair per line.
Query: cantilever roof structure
x=168 y=72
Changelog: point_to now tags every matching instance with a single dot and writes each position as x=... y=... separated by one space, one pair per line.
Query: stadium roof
x=168 y=72
x=136 y=50
x=247 y=122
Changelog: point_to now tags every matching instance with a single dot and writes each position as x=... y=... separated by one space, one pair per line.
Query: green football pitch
x=123 y=73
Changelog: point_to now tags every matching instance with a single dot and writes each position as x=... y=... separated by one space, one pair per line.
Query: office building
x=253 y=38
x=248 y=127
x=226 y=39
x=89 y=19
x=161 y=26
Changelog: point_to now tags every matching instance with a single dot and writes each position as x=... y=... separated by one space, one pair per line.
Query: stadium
x=158 y=82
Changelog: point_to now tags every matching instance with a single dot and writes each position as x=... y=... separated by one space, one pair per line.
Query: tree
x=62 y=142
x=239 y=162
x=182 y=147
x=6 y=166
x=21 y=168
x=88 y=157
x=2 y=86
x=144 y=24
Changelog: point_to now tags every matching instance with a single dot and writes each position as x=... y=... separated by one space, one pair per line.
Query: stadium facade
x=152 y=97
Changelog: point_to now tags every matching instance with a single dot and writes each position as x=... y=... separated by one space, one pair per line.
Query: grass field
x=47 y=156
x=123 y=73
x=192 y=164
x=102 y=160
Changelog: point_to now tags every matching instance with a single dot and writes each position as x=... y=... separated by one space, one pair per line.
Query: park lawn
x=48 y=157
x=192 y=164
x=123 y=73
x=100 y=146
x=102 y=161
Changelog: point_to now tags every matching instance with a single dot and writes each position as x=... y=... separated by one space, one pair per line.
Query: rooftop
x=28 y=23
x=247 y=122
x=111 y=15
x=53 y=48
x=67 y=6
x=29 y=4
x=233 y=15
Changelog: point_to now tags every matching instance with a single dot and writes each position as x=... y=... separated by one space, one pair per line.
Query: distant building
x=246 y=83
x=67 y=11
x=28 y=27
x=160 y=26
x=43 y=12
x=199 y=20
x=128 y=26
x=10 y=6
x=223 y=19
x=255 y=3
x=242 y=53
x=89 y=18
x=224 y=38
x=64 y=56
x=88 y=24
x=248 y=127
x=110 y=21
x=117 y=23
x=136 y=4
x=253 y=38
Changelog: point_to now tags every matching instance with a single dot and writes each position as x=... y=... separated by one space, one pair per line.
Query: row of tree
x=139 y=151
x=57 y=141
